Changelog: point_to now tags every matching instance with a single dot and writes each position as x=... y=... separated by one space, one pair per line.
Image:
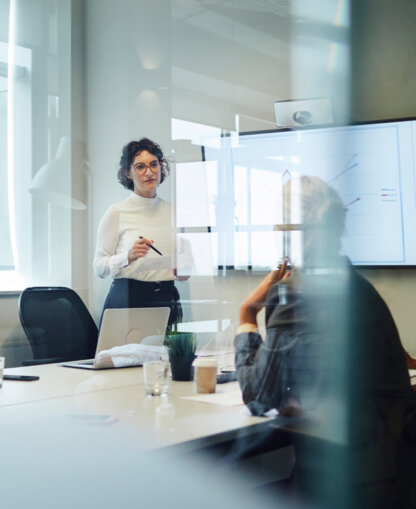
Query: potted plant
x=181 y=348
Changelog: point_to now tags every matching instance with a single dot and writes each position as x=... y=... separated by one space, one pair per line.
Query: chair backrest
x=57 y=323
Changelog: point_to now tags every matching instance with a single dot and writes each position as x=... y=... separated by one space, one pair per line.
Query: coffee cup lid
x=205 y=362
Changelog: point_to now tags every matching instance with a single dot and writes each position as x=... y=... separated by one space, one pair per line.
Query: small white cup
x=205 y=374
x=156 y=378
x=2 y=361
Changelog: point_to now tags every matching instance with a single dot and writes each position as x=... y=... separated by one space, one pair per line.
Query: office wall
x=384 y=65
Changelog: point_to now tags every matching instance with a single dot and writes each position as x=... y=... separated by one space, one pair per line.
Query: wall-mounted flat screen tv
x=371 y=165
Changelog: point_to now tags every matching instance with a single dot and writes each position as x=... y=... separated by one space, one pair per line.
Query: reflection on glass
x=264 y=187
x=196 y=192
x=204 y=248
x=241 y=203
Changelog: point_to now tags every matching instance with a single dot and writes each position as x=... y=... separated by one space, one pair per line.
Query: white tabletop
x=116 y=399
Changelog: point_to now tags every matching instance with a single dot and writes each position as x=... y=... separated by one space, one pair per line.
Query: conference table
x=81 y=438
x=115 y=399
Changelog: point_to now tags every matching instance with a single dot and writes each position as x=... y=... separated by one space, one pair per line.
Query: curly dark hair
x=130 y=151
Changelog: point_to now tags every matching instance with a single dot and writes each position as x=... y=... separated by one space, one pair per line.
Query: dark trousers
x=130 y=293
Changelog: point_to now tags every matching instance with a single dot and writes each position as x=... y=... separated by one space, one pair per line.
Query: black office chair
x=58 y=325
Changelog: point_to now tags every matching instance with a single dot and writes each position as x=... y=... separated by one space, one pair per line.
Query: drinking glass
x=156 y=378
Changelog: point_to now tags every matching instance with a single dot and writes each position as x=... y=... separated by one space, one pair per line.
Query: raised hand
x=257 y=298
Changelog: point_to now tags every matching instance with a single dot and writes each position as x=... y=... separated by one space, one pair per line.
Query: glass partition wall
x=192 y=75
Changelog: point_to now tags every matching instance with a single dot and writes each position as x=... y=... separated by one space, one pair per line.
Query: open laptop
x=124 y=326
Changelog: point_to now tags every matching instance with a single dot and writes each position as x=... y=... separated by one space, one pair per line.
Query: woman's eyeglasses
x=140 y=168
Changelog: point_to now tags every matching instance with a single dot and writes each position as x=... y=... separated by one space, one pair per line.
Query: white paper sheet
x=213 y=353
x=231 y=398
x=225 y=358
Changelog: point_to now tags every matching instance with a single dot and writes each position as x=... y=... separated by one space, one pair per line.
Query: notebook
x=123 y=326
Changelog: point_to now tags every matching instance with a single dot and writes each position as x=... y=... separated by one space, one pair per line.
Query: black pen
x=151 y=247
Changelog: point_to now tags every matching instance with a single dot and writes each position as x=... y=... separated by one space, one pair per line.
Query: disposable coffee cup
x=205 y=374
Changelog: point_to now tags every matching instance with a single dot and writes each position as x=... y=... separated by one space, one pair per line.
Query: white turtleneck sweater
x=121 y=226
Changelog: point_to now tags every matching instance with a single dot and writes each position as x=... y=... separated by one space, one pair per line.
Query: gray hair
x=320 y=214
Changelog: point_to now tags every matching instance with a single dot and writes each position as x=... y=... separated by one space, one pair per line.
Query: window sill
x=10 y=293
x=11 y=283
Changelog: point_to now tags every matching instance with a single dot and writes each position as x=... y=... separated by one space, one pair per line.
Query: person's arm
x=106 y=261
x=254 y=303
x=257 y=362
x=411 y=364
x=410 y=361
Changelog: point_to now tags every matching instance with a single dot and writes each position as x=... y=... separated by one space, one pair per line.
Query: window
x=15 y=172
x=6 y=253
x=35 y=115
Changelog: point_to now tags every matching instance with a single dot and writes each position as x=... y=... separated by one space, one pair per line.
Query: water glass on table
x=156 y=378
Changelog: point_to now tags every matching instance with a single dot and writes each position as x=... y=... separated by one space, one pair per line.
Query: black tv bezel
x=330 y=126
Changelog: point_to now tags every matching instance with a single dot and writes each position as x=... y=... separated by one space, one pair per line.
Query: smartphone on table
x=21 y=378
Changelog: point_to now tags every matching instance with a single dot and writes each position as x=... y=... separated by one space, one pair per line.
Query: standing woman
x=142 y=277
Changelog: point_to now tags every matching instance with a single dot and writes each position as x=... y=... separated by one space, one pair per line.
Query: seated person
x=332 y=354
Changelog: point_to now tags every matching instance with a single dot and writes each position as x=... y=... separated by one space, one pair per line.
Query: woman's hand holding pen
x=139 y=249
x=256 y=300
